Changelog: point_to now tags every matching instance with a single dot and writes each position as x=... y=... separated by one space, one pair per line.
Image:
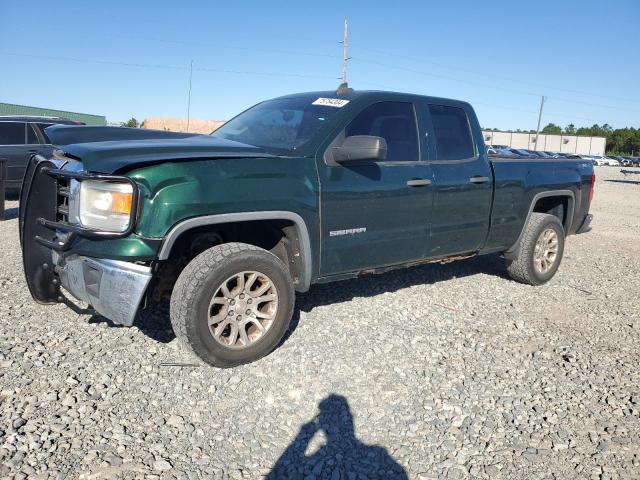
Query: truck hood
x=117 y=149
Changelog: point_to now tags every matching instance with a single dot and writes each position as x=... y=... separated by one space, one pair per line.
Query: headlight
x=105 y=205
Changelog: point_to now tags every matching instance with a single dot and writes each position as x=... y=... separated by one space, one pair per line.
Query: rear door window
x=452 y=132
x=393 y=121
x=12 y=133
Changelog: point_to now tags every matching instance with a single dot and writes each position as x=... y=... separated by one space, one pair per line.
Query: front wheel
x=541 y=249
x=232 y=304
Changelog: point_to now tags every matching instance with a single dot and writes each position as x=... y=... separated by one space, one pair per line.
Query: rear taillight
x=591 y=188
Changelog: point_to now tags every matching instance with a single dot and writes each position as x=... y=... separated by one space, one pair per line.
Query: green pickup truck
x=302 y=189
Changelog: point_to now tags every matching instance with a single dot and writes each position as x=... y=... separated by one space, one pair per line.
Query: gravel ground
x=437 y=371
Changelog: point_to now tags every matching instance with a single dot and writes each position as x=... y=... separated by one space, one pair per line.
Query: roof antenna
x=343 y=88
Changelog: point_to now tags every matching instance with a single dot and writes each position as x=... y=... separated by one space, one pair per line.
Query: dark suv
x=20 y=138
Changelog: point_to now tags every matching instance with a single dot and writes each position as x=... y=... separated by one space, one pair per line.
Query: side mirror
x=361 y=147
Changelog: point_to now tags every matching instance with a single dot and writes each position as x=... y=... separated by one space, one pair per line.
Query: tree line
x=620 y=141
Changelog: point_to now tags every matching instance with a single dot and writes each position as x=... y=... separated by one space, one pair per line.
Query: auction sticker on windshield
x=331 y=102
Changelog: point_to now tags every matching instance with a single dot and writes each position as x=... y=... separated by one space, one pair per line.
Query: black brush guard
x=40 y=219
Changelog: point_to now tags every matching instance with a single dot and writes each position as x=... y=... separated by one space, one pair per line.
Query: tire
x=528 y=268
x=199 y=295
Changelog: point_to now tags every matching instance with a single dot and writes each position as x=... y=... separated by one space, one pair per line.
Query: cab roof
x=373 y=95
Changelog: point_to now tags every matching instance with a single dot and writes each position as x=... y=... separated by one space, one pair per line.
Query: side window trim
x=425 y=131
x=436 y=160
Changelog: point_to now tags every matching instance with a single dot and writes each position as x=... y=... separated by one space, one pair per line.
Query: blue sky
x=124 y=59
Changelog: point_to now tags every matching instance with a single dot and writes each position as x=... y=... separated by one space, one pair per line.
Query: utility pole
x=539 y=118
x=189 y=96
x=345 y=45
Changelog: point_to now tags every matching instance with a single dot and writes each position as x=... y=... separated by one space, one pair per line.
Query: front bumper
x=113 y=288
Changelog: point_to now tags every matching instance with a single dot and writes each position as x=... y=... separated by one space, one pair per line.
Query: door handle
x=418 y=182
x=479 y=179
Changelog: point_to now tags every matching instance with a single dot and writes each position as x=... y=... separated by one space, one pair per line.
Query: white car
x=595 y=159
x=612 y=161
x=598 y=160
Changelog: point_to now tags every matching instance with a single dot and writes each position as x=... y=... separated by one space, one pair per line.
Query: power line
x=291 y=74
x=222 y=46
x=485 y=85
x=268 y=74
x=498 y=106
x=180 y=67
x=160 y=66
x=504 y=107
x=533 y=112
x=99 y=62
x=216 y=46
x=594 y=104
x=493 y=75
x=288 y=74
x=445 y=77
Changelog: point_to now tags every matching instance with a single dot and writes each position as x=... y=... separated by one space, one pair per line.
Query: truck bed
x=521 y=181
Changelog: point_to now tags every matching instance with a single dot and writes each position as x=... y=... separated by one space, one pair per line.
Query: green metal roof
x=12 y=109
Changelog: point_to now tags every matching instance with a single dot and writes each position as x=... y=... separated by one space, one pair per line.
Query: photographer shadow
x=342 y=456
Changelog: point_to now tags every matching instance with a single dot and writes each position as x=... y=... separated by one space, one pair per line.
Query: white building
x=549 y=143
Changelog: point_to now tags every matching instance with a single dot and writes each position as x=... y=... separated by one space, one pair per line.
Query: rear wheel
x=232 y=304
x=541 y=249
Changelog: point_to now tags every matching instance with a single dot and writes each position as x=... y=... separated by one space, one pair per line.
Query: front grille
x=63 y=220
x=62 y=213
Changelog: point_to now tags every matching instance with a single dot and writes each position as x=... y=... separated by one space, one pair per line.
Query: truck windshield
x=279 y=126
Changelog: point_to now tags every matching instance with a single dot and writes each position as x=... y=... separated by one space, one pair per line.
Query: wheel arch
x=302 y=231
x=567 y=195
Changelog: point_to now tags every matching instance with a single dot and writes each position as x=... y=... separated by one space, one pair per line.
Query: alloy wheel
x=243 y=309
x=546 y=251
